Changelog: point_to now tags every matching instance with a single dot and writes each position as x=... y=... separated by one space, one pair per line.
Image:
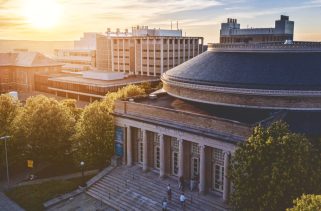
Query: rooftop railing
x=268 y=46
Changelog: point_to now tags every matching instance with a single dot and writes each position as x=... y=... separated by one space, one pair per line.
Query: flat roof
x=242 y=115
x=102 y=83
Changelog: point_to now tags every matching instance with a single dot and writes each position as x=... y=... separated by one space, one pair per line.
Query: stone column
x=202 y=176
x=129 y=147
x=181 y=158
x=162 y=156
x=145 y=151
x=226 y=183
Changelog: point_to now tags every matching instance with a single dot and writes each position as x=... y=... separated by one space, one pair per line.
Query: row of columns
x=202 y=175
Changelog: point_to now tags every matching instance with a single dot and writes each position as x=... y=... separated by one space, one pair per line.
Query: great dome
x=276 y=76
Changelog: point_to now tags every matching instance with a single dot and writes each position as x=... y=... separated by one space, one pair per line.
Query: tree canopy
x=308 y=202
x=8 y=110
x=93 y=142
x=272 y=168
x=44 y=126
x=94 y=138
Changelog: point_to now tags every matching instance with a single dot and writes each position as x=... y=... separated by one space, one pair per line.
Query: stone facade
x=159 y=139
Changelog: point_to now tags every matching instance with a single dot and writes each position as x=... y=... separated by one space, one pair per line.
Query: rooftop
x=76 y=79
x=26 y=59
x=241 y=115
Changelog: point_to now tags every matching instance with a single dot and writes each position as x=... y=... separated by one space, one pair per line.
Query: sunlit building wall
x=145 y=51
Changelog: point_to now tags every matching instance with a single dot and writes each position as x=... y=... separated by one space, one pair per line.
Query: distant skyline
x=52 y=20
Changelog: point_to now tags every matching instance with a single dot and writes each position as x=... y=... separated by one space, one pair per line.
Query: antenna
x=171 y=25
x=177 y=24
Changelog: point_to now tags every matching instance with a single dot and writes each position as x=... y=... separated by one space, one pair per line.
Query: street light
x=5 y=138
x=82 y=163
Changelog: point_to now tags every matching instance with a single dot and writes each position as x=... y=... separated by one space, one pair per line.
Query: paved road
x=7 y=205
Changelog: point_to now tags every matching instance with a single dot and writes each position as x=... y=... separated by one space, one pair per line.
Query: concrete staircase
x=128 y=188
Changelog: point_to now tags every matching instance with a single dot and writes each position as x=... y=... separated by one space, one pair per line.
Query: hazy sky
x=68 y=19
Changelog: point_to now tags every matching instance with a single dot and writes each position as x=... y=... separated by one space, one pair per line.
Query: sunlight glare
x=42 y=13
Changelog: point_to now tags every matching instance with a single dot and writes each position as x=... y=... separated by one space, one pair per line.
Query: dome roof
x=294 y=71
x=257 y=70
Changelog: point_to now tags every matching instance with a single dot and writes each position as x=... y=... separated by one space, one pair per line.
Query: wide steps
x=145 y=191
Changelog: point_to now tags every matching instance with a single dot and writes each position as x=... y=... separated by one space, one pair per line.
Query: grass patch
x=31 y=197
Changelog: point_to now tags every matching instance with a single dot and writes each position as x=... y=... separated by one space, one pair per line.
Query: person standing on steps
x=169 y=192
x=164 y=204
x=181 y=183
x=182 y=200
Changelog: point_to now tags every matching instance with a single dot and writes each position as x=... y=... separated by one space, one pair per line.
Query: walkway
x=82 y=202
x=128 y=188
x=7 y=205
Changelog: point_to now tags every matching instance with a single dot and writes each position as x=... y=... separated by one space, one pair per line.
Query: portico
x=173 y=153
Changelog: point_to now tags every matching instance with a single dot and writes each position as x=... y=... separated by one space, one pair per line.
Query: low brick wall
x=184 y=118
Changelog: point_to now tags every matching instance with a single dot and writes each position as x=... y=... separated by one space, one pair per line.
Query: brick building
x=17 y=70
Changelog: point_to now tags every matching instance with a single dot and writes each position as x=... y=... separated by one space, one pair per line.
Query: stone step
x=101 y=196
x=145 y=192
x=155 y=190
x=129 y=196
x=154 y=186
x=158 y=181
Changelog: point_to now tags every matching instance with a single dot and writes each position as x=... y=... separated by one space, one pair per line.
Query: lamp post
x=5 y=138
x=82 y=163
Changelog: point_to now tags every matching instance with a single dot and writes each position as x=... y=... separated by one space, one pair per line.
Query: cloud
x=11 y=22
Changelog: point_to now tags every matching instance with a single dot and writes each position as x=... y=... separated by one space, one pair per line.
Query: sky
x=60 y=20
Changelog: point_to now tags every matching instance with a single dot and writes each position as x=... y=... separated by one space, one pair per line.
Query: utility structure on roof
x=231 y=32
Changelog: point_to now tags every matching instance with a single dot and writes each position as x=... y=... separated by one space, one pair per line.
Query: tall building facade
x=82 y=57
x=231 y=32
x=145 y=51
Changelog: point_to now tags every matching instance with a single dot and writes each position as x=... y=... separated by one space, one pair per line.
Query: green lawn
x=31 y=197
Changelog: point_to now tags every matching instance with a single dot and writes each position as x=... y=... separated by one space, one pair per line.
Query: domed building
x=212 y=102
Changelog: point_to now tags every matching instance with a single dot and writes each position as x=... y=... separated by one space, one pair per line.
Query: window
x=157 y=157
x=175 y=163
x=218 y=178
x=195 y=166
x=218 y=156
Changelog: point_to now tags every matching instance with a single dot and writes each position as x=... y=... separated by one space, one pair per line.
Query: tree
x=308 y=202
x=44 y=127
x=94 y=140
x=8 y=110
x=70 y=104
x=123 y=93
x=272 y=168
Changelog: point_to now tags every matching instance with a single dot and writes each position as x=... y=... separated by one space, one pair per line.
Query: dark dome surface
x=252 y=70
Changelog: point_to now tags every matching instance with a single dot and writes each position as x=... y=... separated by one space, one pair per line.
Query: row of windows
x=144 y=65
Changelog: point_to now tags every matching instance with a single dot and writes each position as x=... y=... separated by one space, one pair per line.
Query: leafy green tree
x=71 y=105
x=272 y=168
x=308 y=202
x=123 y=93
x=147 y=86
x=94 y=140
x=8 y=110
x=44 y=127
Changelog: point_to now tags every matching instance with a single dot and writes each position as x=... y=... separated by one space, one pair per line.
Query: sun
x=42 y=13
